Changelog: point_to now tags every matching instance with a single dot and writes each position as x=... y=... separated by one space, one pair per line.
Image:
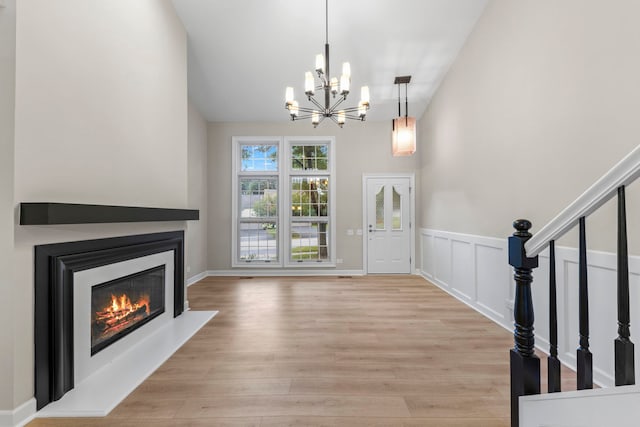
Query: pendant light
x=403 y=131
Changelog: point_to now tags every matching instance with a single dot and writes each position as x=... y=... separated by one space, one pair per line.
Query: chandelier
x=332 y=88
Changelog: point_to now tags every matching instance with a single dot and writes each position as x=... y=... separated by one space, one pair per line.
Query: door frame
x=412 y=215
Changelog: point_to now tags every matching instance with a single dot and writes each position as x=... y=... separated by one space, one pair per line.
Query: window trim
x=236 y=173
x=331 y=200
x=284 y=173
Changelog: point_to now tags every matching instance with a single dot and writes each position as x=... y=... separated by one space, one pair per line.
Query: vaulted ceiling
x=242 y=54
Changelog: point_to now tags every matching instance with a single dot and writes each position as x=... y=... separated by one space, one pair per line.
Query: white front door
x=388 y=224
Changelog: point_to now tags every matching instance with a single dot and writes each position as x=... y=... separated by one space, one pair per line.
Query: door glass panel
x=380 y=209
x=396 y=219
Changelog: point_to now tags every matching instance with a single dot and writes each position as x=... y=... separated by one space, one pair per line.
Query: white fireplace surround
x=83 y=281
x=132 y=358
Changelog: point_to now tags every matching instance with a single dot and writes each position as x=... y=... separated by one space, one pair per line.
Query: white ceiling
x=244 y=53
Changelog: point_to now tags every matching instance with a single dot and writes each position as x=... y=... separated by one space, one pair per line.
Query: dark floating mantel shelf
x=73 y=213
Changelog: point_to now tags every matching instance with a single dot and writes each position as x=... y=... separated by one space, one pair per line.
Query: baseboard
x=193 y=279
x=20 y=415
x=283 y=272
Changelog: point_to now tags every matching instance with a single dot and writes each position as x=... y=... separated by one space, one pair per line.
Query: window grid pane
x=309 y=157
x=259 y=197
x=309 y=196
x=309 y=241
x=259 y=157
x=258 y=241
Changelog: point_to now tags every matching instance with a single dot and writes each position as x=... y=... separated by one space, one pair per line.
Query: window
x=283 y=202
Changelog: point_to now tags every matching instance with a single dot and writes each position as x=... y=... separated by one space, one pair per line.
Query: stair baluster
x=583 y=355
x=624 y=352
x=553 y=363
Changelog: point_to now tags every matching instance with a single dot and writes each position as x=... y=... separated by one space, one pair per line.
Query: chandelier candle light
x=403 y=131
x=331 y=87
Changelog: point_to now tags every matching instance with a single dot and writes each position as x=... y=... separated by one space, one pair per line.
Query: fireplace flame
x=121 y=306
x=121 y=312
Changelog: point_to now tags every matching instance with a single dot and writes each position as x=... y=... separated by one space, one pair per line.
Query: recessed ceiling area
x=244 y=53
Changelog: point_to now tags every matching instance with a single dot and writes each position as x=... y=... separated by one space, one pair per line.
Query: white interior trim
x=284 y=272
x=20 y=416
x=236 y=141
x=194 y=279
x=624 y=172
x=287 y=172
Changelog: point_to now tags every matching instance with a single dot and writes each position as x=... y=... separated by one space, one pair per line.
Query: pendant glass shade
x=403 y=138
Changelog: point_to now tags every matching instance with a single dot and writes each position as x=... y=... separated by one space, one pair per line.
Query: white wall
x=541 y=101
x=100 y=117
x=360 y=148
x=7 y=284
x=196 y=236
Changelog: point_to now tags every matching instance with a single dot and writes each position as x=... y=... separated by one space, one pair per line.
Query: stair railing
x=523 y=257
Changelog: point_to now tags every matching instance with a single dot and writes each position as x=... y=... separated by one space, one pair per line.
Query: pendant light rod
x=406 y=104
x=326 y=22
x=405 y=80
x=399 y=111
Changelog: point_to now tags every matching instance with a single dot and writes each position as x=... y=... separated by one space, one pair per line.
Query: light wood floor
x=361 y=351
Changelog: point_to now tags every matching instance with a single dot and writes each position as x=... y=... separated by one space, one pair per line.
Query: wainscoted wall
x=475 y=270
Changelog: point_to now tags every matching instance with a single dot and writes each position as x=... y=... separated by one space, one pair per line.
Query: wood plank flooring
x=361 y=351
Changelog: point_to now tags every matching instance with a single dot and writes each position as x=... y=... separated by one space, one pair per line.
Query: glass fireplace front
x=120 y=306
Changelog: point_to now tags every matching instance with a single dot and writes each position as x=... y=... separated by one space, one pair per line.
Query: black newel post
x=525 y=365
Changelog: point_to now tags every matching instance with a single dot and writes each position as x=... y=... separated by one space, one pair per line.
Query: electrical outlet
x=339 y=261
x=350 y=232
x=359 y=231
x=188 y=269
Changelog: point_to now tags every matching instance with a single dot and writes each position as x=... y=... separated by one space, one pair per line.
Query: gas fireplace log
x=106 y=322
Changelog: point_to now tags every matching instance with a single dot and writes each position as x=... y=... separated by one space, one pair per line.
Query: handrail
x=624 y=172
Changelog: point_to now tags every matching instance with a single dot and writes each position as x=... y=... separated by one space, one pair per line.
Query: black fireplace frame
x=55 y=265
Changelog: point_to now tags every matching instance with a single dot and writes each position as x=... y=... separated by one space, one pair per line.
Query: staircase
x=585 y=407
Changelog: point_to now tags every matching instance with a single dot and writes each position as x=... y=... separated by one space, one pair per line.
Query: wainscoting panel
x=493 y=286
x=475 y=270
x=442 y=267
x=462 y=280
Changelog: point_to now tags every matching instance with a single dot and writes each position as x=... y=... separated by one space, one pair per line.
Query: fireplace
x=95 y=300
x=120 y=306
